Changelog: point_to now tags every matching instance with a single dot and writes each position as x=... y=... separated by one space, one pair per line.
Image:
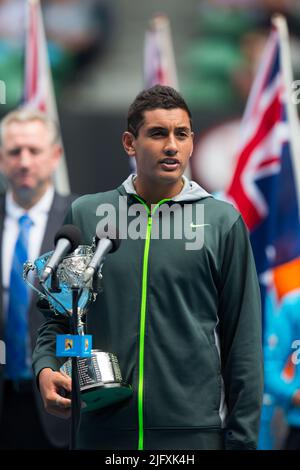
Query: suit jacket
x=56 y=429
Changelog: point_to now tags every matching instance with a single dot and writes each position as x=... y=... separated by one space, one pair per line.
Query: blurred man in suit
x=30 y=214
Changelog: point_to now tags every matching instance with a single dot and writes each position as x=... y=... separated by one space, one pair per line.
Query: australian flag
x=264 y=187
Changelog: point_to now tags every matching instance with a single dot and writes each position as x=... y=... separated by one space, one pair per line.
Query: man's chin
x=26 y=194
x=170 y=177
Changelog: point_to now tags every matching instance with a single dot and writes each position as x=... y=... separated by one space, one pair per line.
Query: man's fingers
x=65 y=375
x=59 y=406
x=51 y=381
x=63 y=380
x=54 y=386
x=61 y=402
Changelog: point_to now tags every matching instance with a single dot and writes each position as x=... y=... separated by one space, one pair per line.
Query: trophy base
x=104 y=395
x=100 y=380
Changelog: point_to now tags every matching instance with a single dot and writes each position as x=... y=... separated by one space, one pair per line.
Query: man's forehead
x=160 y=117
x=33 y=125
x=30 y=129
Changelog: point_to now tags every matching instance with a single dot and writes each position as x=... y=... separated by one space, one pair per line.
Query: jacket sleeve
x=44 y=354
x=241 y=339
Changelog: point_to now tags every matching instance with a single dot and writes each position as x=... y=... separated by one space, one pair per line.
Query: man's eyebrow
x=13 y=149
x=156 y=128
x=165 y=129
x=18 y=148
x=183 y=128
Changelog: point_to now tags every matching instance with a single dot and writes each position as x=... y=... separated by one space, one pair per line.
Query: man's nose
x=25 y=157
x=171 y=146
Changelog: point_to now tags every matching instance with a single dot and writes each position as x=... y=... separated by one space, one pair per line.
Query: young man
x=180 y=306
x=30 y=214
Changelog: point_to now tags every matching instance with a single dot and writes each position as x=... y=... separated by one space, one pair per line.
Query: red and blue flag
x=264 y=185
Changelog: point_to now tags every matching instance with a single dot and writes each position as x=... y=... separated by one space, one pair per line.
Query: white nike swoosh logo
x=198 y=225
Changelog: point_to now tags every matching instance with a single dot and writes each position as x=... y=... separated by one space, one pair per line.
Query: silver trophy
x=100 y=377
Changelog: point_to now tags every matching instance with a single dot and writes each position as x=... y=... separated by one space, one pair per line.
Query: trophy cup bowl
x=99 y=374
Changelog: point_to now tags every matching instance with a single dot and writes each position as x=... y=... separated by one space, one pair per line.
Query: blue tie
x=17 y=312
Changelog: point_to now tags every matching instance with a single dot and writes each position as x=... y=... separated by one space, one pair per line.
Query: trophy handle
x=70 y=273
x=28 y=266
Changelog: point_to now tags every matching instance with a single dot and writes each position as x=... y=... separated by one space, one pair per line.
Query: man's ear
x=128 y=140
x=1 y=159
x=57 y=152
x=192 y=144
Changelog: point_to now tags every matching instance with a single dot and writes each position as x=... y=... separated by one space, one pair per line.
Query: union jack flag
x=264 y=187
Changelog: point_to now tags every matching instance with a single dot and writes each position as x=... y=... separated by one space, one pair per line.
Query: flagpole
x=61 y=177
x=159 y=57
x=43 y=96
x=280 y=24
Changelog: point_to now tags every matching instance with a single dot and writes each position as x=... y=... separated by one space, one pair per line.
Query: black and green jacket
x=185 y=325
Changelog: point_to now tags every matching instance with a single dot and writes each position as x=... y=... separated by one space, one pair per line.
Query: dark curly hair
x=157 y=97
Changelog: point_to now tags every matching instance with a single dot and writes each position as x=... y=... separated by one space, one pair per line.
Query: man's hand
x=52 y=387
x=296 y=398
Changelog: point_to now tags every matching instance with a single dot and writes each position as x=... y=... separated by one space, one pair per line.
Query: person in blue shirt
x=283 y=347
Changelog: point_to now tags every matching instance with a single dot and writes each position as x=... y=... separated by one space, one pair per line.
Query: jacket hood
x=191 y=190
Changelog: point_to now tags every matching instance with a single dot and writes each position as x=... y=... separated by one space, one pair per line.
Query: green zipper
x=143 y=321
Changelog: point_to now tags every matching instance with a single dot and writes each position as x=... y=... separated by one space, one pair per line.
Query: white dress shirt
x=39 y=216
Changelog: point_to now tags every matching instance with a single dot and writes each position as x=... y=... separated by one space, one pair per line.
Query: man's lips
x=23 y=177
x=169 y=163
